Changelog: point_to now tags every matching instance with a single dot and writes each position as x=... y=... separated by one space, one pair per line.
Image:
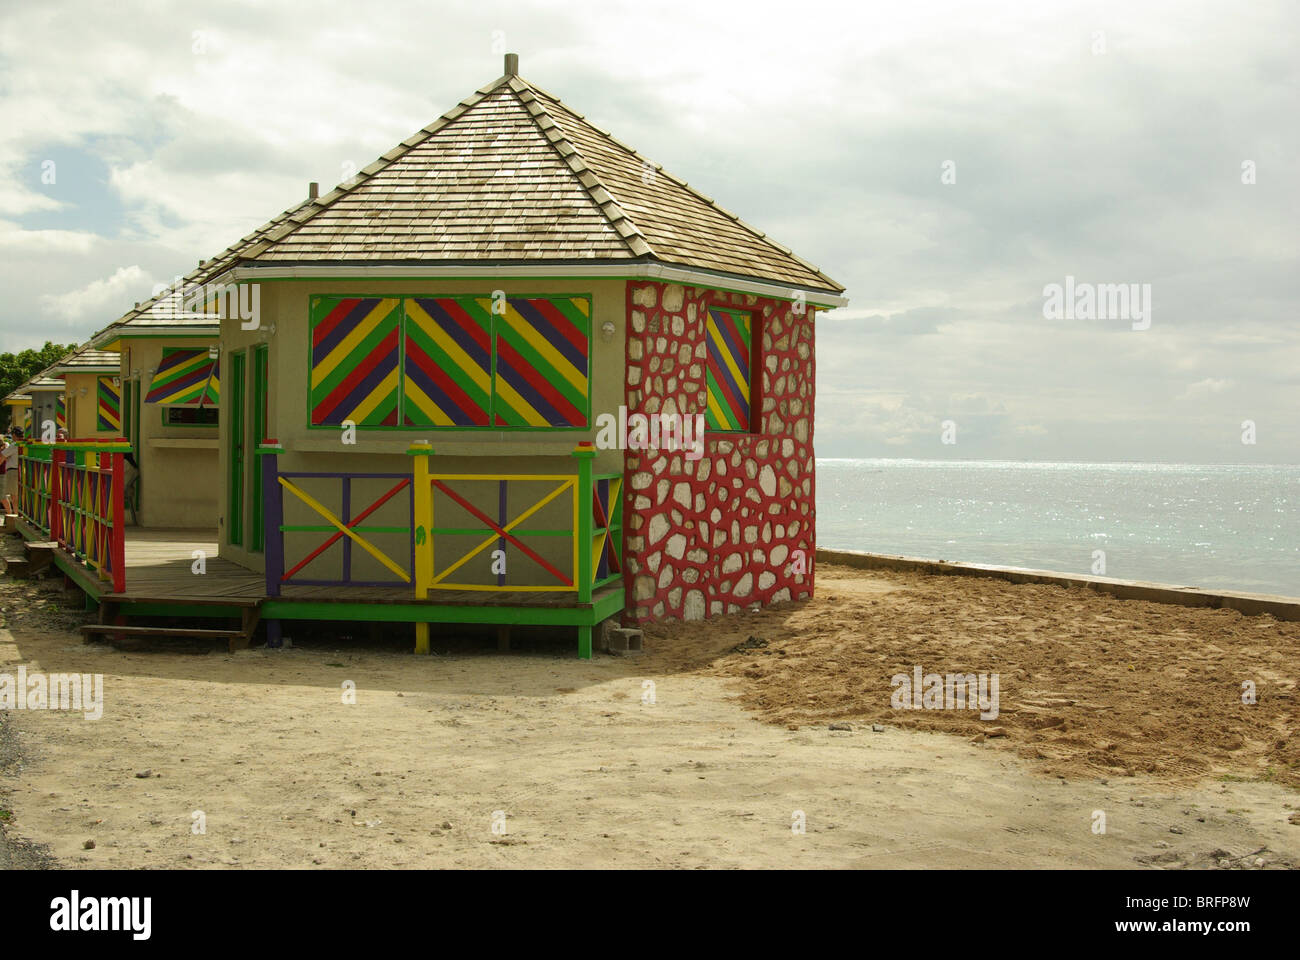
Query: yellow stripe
x=558 y=588
x=361 y=541
x=382 y=391
x=568 y=482
x=426 y=404
x=511 y=396
x=727 y=358
x=719 y=416
x=349 y=343
x=543 y=346
x=453 y=349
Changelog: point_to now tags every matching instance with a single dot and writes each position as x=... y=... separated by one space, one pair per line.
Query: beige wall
x=178 y=465
x=285 y=304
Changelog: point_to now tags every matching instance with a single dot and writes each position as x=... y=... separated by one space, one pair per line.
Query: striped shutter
x=542 y=376
x=187 y=376
x=447 y=367
x=61 y=412
x=729 y=339
x=108 y=401
x=354 y=352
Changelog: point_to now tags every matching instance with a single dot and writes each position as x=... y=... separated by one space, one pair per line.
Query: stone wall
x=736 y=527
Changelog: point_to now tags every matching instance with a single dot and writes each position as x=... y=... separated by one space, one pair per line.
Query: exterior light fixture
x=607 y=330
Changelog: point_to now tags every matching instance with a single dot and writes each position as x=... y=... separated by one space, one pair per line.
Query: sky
x=947 y=162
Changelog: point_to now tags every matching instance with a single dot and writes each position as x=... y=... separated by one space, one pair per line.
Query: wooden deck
x=160 y=571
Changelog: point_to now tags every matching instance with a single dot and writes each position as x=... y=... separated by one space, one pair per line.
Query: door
x=238 y=450
x=260 y=366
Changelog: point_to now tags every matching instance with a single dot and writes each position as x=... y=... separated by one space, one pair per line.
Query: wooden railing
x=72 y=493
x=590 y=502
x=34 y=484
x=345 y=529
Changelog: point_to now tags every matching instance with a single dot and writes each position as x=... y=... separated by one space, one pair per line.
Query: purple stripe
x=525 y=390
x=341 y=329
x=547 y=329
x=449 y=325
x=724 y=372
x=350 y=401
x=439 y=396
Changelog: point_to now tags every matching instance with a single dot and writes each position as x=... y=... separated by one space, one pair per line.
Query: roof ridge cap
x=689 y=189
x=606 y=202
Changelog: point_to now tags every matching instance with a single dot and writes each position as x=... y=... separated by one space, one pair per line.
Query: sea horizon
x=1216 y=526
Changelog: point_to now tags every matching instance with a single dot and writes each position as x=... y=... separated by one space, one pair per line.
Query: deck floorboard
x=159 y=569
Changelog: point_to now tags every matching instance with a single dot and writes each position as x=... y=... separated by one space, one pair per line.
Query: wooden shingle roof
x=512 y=175
x=86 y=359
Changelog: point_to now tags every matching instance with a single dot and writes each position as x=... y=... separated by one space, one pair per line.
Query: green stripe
x=576 y=397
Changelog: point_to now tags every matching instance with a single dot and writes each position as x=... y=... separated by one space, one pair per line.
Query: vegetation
x=17 y=368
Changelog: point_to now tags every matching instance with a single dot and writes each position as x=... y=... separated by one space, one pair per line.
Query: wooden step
x=238 y=640
x=40 y=555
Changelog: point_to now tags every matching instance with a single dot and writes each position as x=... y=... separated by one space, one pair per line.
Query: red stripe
x=339 y=393
x=350 y=524
x=562 y=323
x=475 y=512
x=449 y=386
x=332 y=319
x=538 y=382
x=467 y=323
x=728 y=397
x=729 y=322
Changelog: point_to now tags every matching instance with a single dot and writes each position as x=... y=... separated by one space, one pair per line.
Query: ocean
x=1220 y=526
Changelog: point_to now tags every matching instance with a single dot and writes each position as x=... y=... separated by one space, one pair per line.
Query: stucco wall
x=178 y=480
x=284 y=307
x=721 y=533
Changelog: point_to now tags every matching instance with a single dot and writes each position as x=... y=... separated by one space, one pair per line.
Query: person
x=10 y=466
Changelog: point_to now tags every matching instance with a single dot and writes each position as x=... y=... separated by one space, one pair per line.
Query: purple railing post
x=272 y=521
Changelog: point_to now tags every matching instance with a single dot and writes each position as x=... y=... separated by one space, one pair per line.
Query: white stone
x=676 y=546
x=767 y=480
x=658 y=527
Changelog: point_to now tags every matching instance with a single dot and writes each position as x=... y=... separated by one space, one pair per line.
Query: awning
x=187 y=377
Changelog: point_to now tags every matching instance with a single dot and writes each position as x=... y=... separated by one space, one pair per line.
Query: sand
x=535 y=759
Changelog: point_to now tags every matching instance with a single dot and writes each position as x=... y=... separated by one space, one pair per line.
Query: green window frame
x=732 y=369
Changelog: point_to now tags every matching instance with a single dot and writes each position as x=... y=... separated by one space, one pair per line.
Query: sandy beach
x=702 y=752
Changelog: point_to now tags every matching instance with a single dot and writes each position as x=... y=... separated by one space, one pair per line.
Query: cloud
x=830 y=133
x=96 y=299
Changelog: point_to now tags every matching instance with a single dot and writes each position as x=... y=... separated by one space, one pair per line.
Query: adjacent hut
x=476 y=372
x=92 y=393
x=168 y=403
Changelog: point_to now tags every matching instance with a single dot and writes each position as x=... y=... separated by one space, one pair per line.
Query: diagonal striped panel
x=543 y=347
x=447 y=368
x=108 y=401
x=61 y=412
x=354 y=352
x=187 y=376
x=729 y=339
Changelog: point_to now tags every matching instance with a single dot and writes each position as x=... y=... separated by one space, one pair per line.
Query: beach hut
x=92 y=393
x=478 y=367
x=47 y=406
x=511 y=373
x=20 y=409
x=168 y=393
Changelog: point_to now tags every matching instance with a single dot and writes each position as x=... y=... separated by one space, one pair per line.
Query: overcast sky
x=1100 y=141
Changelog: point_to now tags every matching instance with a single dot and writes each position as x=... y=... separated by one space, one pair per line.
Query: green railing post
x=585 y=454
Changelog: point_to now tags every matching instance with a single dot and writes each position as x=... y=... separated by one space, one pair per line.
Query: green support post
x=585 y=454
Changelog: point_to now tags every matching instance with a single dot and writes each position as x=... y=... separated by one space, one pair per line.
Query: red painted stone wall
x=718 y=534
